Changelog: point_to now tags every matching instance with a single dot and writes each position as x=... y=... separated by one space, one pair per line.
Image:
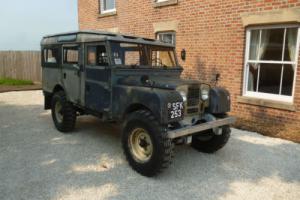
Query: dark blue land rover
x=135 y=81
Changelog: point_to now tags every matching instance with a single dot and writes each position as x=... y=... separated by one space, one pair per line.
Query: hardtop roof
x=94 y=36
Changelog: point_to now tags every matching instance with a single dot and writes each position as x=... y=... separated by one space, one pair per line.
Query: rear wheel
x=145 y=144
x=63 y=112
x=208 y=142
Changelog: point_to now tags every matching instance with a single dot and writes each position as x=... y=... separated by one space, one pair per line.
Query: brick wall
x=213 y=34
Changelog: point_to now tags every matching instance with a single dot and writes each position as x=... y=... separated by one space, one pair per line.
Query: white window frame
x=158 y=1
x=268 y=96
x=103 y=11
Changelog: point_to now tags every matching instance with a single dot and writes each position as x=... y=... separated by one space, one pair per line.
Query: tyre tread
x=160 y=132
x=69 y=113
x=214 y=144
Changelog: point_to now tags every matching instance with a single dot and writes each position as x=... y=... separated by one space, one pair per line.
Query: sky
x=23 y=23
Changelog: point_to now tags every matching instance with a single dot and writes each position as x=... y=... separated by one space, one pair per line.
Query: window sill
x=164 y=3
x=267 y=103
x=289 y=15
x=107 y=14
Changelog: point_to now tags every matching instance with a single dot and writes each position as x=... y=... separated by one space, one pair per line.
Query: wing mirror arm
x=79 y=68
x=145 y=80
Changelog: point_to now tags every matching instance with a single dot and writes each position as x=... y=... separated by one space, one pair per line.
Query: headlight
x=183 y=95
x=182 y=90
x=204 y=94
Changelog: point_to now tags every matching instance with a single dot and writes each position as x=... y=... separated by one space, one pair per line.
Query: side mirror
x=183 y=54
x=145 y=79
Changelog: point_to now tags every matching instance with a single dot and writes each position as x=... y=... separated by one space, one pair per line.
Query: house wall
x=213 y=33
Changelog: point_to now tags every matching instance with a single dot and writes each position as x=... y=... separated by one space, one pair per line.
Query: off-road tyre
x=214 y=143
x=162 y=146
x=68 y=112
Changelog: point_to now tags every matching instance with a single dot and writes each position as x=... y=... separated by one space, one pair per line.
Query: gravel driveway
x=38 y=162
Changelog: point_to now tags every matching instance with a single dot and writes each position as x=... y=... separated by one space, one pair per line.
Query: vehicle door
x=97 y=79
x=71 y=72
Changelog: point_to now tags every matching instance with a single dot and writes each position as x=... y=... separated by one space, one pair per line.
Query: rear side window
x=71 y=55
x=97 y=55
x=51 y=55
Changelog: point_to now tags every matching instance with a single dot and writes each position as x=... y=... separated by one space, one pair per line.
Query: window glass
x=270 y=67
x=287 y=80
x=162 y=58
x=107 y=5
x=92 y=55
x=132 y=58
x=254 y=44
x=168 y=37
x=290 y=44
x=51 y=55
x=252 y=77
x=129 y=54
x=271 y=44
x=71 y=55
x=97 y=56
x=269 y=78
x=143 y=55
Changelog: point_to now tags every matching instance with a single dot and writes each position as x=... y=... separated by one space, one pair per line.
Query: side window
x=71 y=55
x=167 y=37
x=107 y=6
x=129 y=54
x=97 y=55
x=164 y=58
x=51 y=55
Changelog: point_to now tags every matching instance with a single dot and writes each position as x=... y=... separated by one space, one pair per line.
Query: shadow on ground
x=38 y=162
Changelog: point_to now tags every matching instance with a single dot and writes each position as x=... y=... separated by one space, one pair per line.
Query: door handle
x=65 y=75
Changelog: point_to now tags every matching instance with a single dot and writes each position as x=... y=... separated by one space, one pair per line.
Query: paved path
x=38 y=162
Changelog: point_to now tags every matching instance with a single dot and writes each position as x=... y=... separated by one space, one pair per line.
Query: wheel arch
x=135 y=107
x=57 y=88
x=49 y=95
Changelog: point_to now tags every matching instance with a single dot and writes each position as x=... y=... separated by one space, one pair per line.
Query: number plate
x=175 y=110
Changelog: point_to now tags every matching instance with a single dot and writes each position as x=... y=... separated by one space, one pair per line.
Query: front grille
x=192 y=110
x=193 y=100
x=194 y=92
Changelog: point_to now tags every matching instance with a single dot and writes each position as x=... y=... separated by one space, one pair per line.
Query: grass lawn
x=10 y=81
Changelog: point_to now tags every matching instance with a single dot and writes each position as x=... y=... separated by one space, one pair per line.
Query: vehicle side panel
x=51 y=78
x=154 y=99
x=124 y=96
x=97 y=88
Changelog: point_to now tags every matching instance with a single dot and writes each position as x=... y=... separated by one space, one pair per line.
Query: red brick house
x=253 y=44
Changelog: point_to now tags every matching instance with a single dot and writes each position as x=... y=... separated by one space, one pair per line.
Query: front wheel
x=145 y=144
x=208 y=142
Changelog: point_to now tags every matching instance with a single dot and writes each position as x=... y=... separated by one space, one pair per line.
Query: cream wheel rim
x=140 y=145
x=58 y=112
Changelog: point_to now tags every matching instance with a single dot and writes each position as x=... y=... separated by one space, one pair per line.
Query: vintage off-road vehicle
x=135 y=81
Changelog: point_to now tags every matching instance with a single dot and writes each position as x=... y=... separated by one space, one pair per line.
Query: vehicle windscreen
x=132 y=55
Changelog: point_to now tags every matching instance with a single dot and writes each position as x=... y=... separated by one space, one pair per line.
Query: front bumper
x=189 y=130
